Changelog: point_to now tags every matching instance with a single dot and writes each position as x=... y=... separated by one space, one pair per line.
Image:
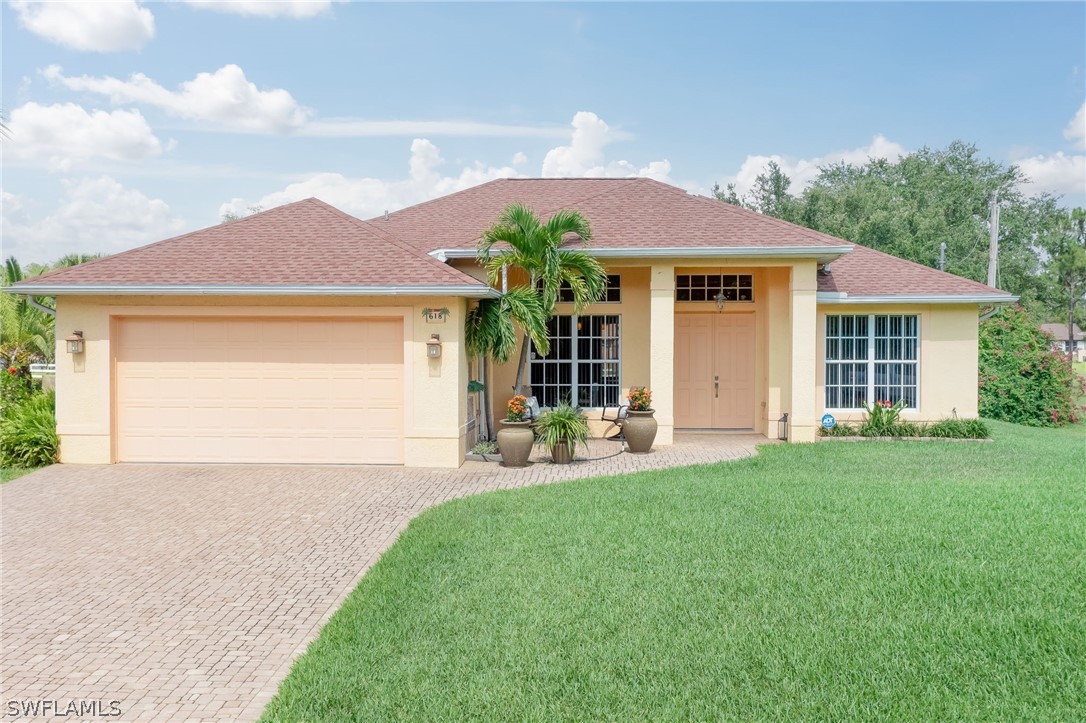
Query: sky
x=130 y=122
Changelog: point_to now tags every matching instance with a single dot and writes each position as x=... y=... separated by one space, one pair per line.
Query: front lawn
x=891 y=581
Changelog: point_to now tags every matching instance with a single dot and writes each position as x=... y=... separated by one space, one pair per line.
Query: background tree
x=1068 y=266
x=909 y=206
x=26 y=333
x=769 y=195
x=521 y=241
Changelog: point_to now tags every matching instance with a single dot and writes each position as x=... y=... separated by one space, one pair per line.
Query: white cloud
x=584 y=156
x=265 y=8
x=95 y=214
x=225 y=97
x=357 y=128
x=96 y=26
x=802 y=171
x=1076 y=130
x=63 y=135
x=227 y=100
x=368 y=197
x=1059 y=173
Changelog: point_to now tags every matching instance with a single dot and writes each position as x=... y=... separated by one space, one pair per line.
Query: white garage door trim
x=322 y=406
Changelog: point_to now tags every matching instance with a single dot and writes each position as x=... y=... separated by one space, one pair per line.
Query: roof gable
x=306 y=243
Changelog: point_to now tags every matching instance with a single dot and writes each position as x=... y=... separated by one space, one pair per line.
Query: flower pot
x=515 y=440
x=562 y=453
x=640 y=431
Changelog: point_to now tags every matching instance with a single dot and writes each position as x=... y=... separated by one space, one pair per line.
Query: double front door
x=714 y=371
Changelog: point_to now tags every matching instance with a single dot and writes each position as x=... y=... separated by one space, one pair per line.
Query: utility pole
x=942 y=256
x=993 y=238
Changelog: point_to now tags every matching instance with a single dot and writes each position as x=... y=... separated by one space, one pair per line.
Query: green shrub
x=28 y=433
x=1021 y=379
x=16 y=387
x=958 y=429
x=841 y=429
x=485 y=446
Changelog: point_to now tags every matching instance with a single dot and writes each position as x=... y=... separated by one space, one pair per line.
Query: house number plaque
x=435 y=316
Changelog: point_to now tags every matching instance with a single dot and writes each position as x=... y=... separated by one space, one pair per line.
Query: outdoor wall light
x=782 y=427
x=433 y=346
x=75 y=342
x=720 y=299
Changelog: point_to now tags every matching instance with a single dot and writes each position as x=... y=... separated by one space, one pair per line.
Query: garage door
x=260 y=390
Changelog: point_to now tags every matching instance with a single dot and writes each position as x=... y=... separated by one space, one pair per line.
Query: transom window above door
x=705 y=287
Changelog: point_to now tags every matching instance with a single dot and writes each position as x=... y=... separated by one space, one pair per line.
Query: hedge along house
x=304 y=335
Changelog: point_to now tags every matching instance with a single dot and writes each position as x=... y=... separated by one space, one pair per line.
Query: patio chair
x=617 y=420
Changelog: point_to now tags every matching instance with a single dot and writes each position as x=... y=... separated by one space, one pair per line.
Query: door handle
x=716 y=387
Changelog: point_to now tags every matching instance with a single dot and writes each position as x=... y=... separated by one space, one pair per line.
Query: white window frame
x=872 y=361
x=575 y=359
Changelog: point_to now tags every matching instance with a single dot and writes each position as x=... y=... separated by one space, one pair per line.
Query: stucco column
x=662 y=349
x=802 y=422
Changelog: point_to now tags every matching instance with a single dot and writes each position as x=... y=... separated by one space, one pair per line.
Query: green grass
x=7 y=474
x=883 y=581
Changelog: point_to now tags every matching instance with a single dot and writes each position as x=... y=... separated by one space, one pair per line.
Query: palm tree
x=521 y=240
x=27 y=333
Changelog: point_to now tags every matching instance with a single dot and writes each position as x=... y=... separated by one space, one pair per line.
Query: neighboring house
x=299 y=335
x=1059 y=340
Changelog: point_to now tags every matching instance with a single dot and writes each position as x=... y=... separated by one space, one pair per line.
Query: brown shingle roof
x=867 y=272
x=640 y=213
x=624 y=213
x=310 y=243
x=307 y=243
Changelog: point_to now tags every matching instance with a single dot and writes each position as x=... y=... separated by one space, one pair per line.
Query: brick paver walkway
x=185 y=592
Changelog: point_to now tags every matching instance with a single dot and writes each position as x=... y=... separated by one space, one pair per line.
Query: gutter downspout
x=40 y=307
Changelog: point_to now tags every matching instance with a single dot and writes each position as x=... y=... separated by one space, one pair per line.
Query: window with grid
x=871 y=357
x=705 y=287
x=896 y=342
x=582 y=365
x=612 y=295
x=846 y=361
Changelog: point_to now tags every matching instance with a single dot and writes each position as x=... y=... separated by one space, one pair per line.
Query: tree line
x=908 y=207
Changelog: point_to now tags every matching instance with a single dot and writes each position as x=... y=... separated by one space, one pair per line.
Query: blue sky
x=135 y=121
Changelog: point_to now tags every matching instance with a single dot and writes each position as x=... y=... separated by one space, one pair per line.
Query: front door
x=714 y=371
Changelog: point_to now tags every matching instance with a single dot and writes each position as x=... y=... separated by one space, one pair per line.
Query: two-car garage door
x=265 y=390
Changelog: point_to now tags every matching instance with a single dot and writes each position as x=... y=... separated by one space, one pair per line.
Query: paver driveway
x=185 y=592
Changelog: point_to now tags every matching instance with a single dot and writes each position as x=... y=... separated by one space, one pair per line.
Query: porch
x=725 y=344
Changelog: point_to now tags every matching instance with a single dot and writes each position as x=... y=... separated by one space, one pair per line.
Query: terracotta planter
x=562 y=453
x=640 y=431
x=515 y=440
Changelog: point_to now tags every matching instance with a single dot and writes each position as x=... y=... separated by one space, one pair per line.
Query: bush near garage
x=28 y=424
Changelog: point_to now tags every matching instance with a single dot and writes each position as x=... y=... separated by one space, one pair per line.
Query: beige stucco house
x=300 y=334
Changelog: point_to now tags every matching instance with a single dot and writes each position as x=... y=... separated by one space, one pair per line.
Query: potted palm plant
x=561 y=430
x=640 y=425
x=515 y=437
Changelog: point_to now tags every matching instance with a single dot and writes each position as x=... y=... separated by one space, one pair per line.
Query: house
x=1058 y=332
x=304 y=335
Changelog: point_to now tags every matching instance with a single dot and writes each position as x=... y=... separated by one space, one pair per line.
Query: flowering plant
x=16 y=386
x=881 y=417
x=640 y=399
x=517 y=409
